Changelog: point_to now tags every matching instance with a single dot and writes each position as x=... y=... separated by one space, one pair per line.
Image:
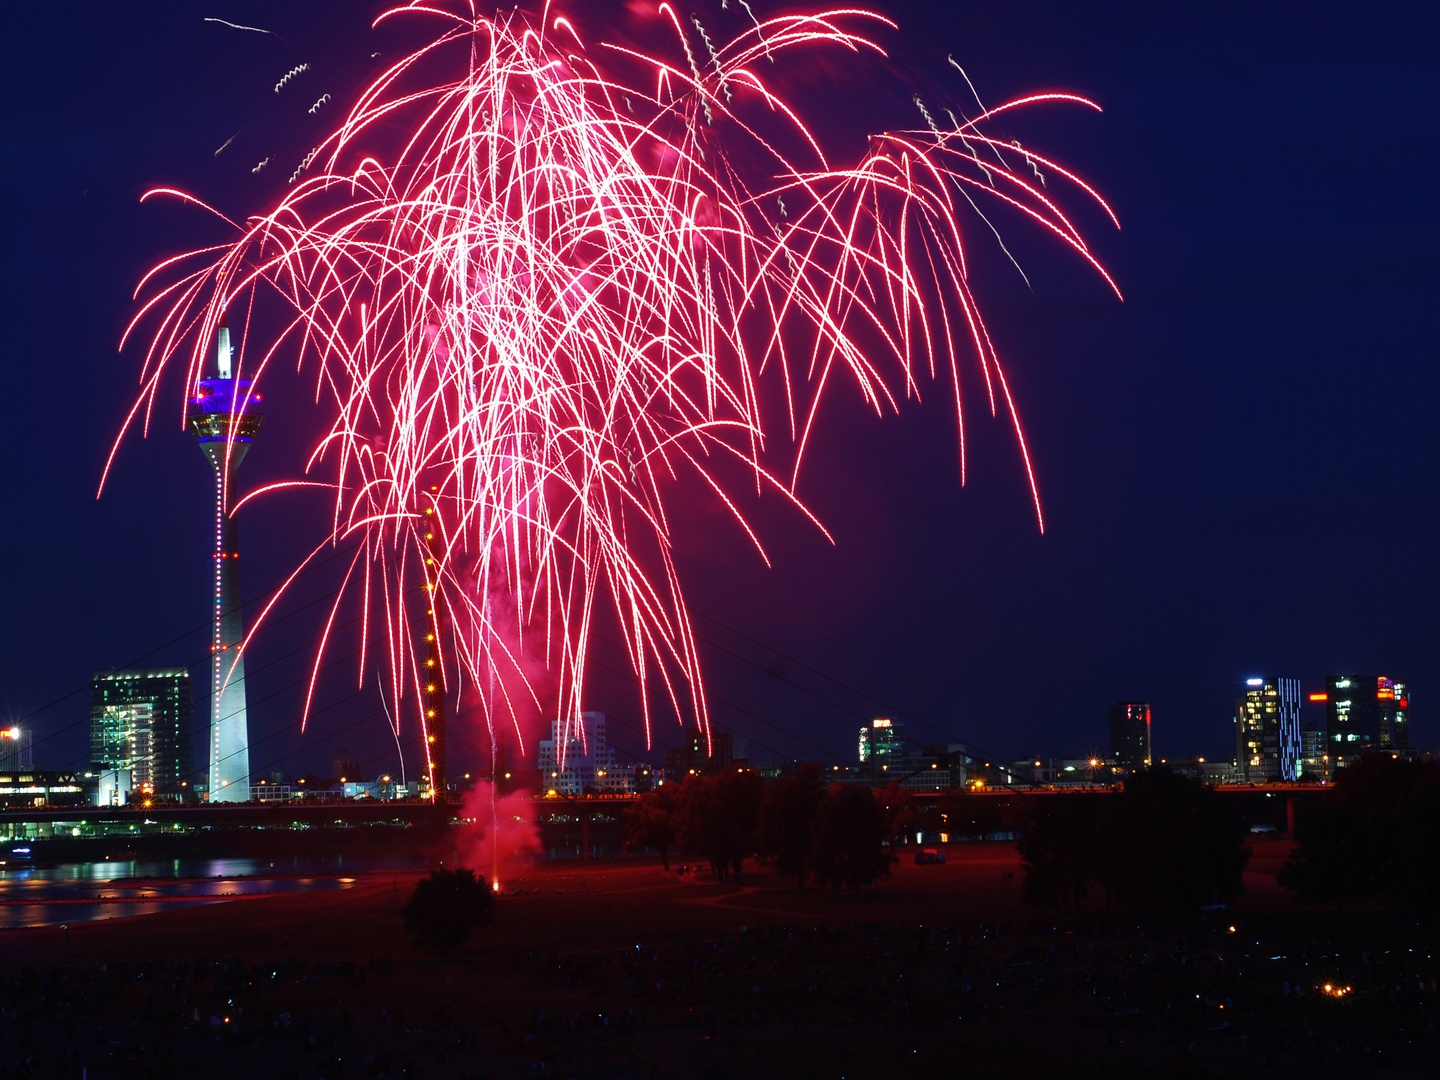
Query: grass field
x=620 y=969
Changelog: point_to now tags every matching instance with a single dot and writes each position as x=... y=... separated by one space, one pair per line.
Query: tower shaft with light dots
x=224 y=419
x=433 y=680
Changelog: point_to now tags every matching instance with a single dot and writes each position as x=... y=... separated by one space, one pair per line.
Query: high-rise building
x=224 y=417
x=141 y=721
x=15 y=751
x=1365 y=714
x=882 y=744
x=343 y=765
x=570 y=764
x=1314 y=754
x=1267 y=731
x=1130 y=735
x=698 y=755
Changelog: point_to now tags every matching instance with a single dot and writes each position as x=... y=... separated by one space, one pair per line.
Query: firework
x=545 y=288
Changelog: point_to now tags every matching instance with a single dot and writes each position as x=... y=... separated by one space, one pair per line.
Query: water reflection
x=83 y=892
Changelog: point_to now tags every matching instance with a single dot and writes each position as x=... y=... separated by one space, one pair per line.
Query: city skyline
x=950 y=599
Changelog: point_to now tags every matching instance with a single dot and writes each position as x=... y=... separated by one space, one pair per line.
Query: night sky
x=1236 y=464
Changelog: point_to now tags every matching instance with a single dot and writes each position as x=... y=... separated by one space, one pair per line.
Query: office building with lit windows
x=15 y=749
x=1365 y=714
x=1267 y=731
x=1314 y=754
x=882 y=744
x=572 y=764
x=141 y=723
x=1130 y=735
x=698 y=755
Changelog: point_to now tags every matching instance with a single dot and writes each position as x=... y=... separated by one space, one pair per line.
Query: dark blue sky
x=1236 y=463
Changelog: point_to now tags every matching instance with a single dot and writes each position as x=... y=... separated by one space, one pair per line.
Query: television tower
x=223 y=417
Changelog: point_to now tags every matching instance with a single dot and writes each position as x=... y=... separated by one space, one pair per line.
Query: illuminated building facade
x=696 y=755
x=142 y=722
x=1130 y=735
x=1267 y=731
x=224 y=419
x=576 y=766
x=1314 y=753
x=882 y=745
x=1365 y=714
x=15 y=749
x=29 y=788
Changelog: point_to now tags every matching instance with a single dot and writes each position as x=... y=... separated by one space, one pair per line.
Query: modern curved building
x=224 y=417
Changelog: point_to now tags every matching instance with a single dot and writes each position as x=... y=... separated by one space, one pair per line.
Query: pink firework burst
x=537 y=288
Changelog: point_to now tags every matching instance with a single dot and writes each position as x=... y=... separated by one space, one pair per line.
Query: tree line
x=1163 y=840
x=832 y=834
x=1373 y=837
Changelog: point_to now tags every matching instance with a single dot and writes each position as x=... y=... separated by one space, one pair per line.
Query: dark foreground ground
x=620 y=970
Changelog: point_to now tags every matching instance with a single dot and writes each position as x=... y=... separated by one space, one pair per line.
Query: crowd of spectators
x=1274 y=995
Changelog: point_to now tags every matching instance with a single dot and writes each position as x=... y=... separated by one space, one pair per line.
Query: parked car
x=929 y=855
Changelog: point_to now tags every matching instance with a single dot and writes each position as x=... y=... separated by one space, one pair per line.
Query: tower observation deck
x=223 y=417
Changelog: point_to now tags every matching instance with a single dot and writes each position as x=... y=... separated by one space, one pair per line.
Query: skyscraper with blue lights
x=1267 y=731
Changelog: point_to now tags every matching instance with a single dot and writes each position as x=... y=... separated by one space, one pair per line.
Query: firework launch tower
x=224 y=418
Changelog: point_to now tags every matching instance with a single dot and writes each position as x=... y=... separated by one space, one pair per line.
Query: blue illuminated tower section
x=224 y=419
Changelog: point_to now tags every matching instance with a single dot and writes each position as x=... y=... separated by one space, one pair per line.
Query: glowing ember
x=541 y=279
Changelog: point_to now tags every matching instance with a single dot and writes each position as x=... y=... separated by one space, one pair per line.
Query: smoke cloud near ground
x=500 y=844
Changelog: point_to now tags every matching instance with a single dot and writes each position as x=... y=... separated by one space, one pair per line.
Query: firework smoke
x=496 y=835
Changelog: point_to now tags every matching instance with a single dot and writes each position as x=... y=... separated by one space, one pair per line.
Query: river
x=86 y=891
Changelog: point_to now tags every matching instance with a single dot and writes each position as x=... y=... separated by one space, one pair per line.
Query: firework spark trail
x=304 y=164
x=758 y=28
x=237 y=26
x=976 y=95
x=556 y=294
x=293 y=73
x=930 y=122
x=710 y=48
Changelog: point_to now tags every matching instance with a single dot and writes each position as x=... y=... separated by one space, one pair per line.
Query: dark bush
x=446 y=907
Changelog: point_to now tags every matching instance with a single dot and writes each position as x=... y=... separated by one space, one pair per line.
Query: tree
x=971 y=816
x=1060 y=847
x=650 y=822
x=1334 y=858
x=850 y=835
x=1371 y=836
x=446 y=907
x=1419 y=840
x=717 y=817
x=787 y=821
x=901 y=816
x=1164 y=841
x=1169 y=843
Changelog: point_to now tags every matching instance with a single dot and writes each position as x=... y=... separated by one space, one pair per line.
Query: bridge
x=581 y=827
